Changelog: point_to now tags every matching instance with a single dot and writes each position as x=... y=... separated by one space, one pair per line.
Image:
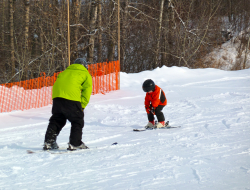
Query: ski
x=55 y=151
x=66 y=151
x=62 y=150
x=168 y=127
x=31 y=151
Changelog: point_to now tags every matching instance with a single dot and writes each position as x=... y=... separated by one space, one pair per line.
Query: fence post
x=3 y=97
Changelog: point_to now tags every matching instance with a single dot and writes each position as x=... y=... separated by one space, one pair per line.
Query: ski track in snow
x=211 y=150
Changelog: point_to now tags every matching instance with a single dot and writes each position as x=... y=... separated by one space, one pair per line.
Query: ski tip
x=168 y=127
x=138 y=130
x=30 y=152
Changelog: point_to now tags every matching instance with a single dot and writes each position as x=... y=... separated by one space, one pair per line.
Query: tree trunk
x=27 y=13
x=124 y=23
x=77 y=7
x=230 y=11
x=245 y=60
x=170 y=36
x=164 y=35
x=3 y=22
x=112 y=31
x=26 y=43
x=92 y=27
x=99 y=47
x=156 y=62
x=12 y=47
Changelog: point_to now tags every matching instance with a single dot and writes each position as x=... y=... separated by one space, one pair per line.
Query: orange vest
x=155 y=98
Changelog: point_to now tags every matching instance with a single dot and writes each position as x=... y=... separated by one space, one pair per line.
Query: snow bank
x=232 y=54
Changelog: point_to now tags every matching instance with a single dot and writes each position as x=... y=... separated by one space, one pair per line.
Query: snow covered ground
x=211 y=151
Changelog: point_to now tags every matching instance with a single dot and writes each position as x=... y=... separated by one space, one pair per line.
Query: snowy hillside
x=211 y=150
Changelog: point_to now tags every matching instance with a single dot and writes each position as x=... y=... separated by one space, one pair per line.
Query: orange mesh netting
x=36 y=93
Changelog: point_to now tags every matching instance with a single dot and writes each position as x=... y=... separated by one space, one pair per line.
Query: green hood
x=75 y=83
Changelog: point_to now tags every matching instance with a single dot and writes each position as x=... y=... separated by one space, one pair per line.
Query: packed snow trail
x=211 y=150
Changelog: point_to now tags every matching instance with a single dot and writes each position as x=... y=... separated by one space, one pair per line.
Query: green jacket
x=75 y=83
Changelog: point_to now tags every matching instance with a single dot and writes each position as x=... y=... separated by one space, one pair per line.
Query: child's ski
x=167 y=126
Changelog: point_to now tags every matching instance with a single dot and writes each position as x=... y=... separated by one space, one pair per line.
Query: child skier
x=155 y=101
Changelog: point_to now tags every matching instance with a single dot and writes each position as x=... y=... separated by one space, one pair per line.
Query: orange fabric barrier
x=105 y=76
x=36 y=93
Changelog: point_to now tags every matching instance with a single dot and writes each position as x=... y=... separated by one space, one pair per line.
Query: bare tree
x=12 y=47
x=92 y=31
x=153 y=33
x=156 y=62
x=76 y=8
x=112 y=30
x=246 y=53
x=124 y=26
x=26 y=38
x=99 y=26
x=3 y=22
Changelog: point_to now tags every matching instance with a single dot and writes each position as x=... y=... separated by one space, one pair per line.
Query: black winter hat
x=81 y=61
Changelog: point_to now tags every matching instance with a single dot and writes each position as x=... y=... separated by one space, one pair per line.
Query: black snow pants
x=63 y=109
x=158 y=113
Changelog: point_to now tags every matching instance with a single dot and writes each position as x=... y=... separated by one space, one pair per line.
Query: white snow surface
x=211 y=150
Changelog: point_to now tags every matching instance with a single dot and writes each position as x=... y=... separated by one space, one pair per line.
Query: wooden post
x=244 y=64
x=68 y=36
x=119 y=56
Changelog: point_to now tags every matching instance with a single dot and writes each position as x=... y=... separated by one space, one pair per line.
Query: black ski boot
x=50 y=140
x=50 y=145
x=72 y=147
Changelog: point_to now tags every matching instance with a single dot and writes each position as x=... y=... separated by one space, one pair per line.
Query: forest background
x=153 y=33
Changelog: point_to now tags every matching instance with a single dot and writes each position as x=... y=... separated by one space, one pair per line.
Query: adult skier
x=71 y=94
x=155 y=101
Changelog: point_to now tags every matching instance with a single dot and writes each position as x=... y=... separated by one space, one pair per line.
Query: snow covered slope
x=211 y=151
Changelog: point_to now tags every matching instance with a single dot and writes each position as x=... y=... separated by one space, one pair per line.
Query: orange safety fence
x=36 y=93
x=105 y=76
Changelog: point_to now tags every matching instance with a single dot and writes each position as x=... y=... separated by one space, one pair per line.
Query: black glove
x=152 y=110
